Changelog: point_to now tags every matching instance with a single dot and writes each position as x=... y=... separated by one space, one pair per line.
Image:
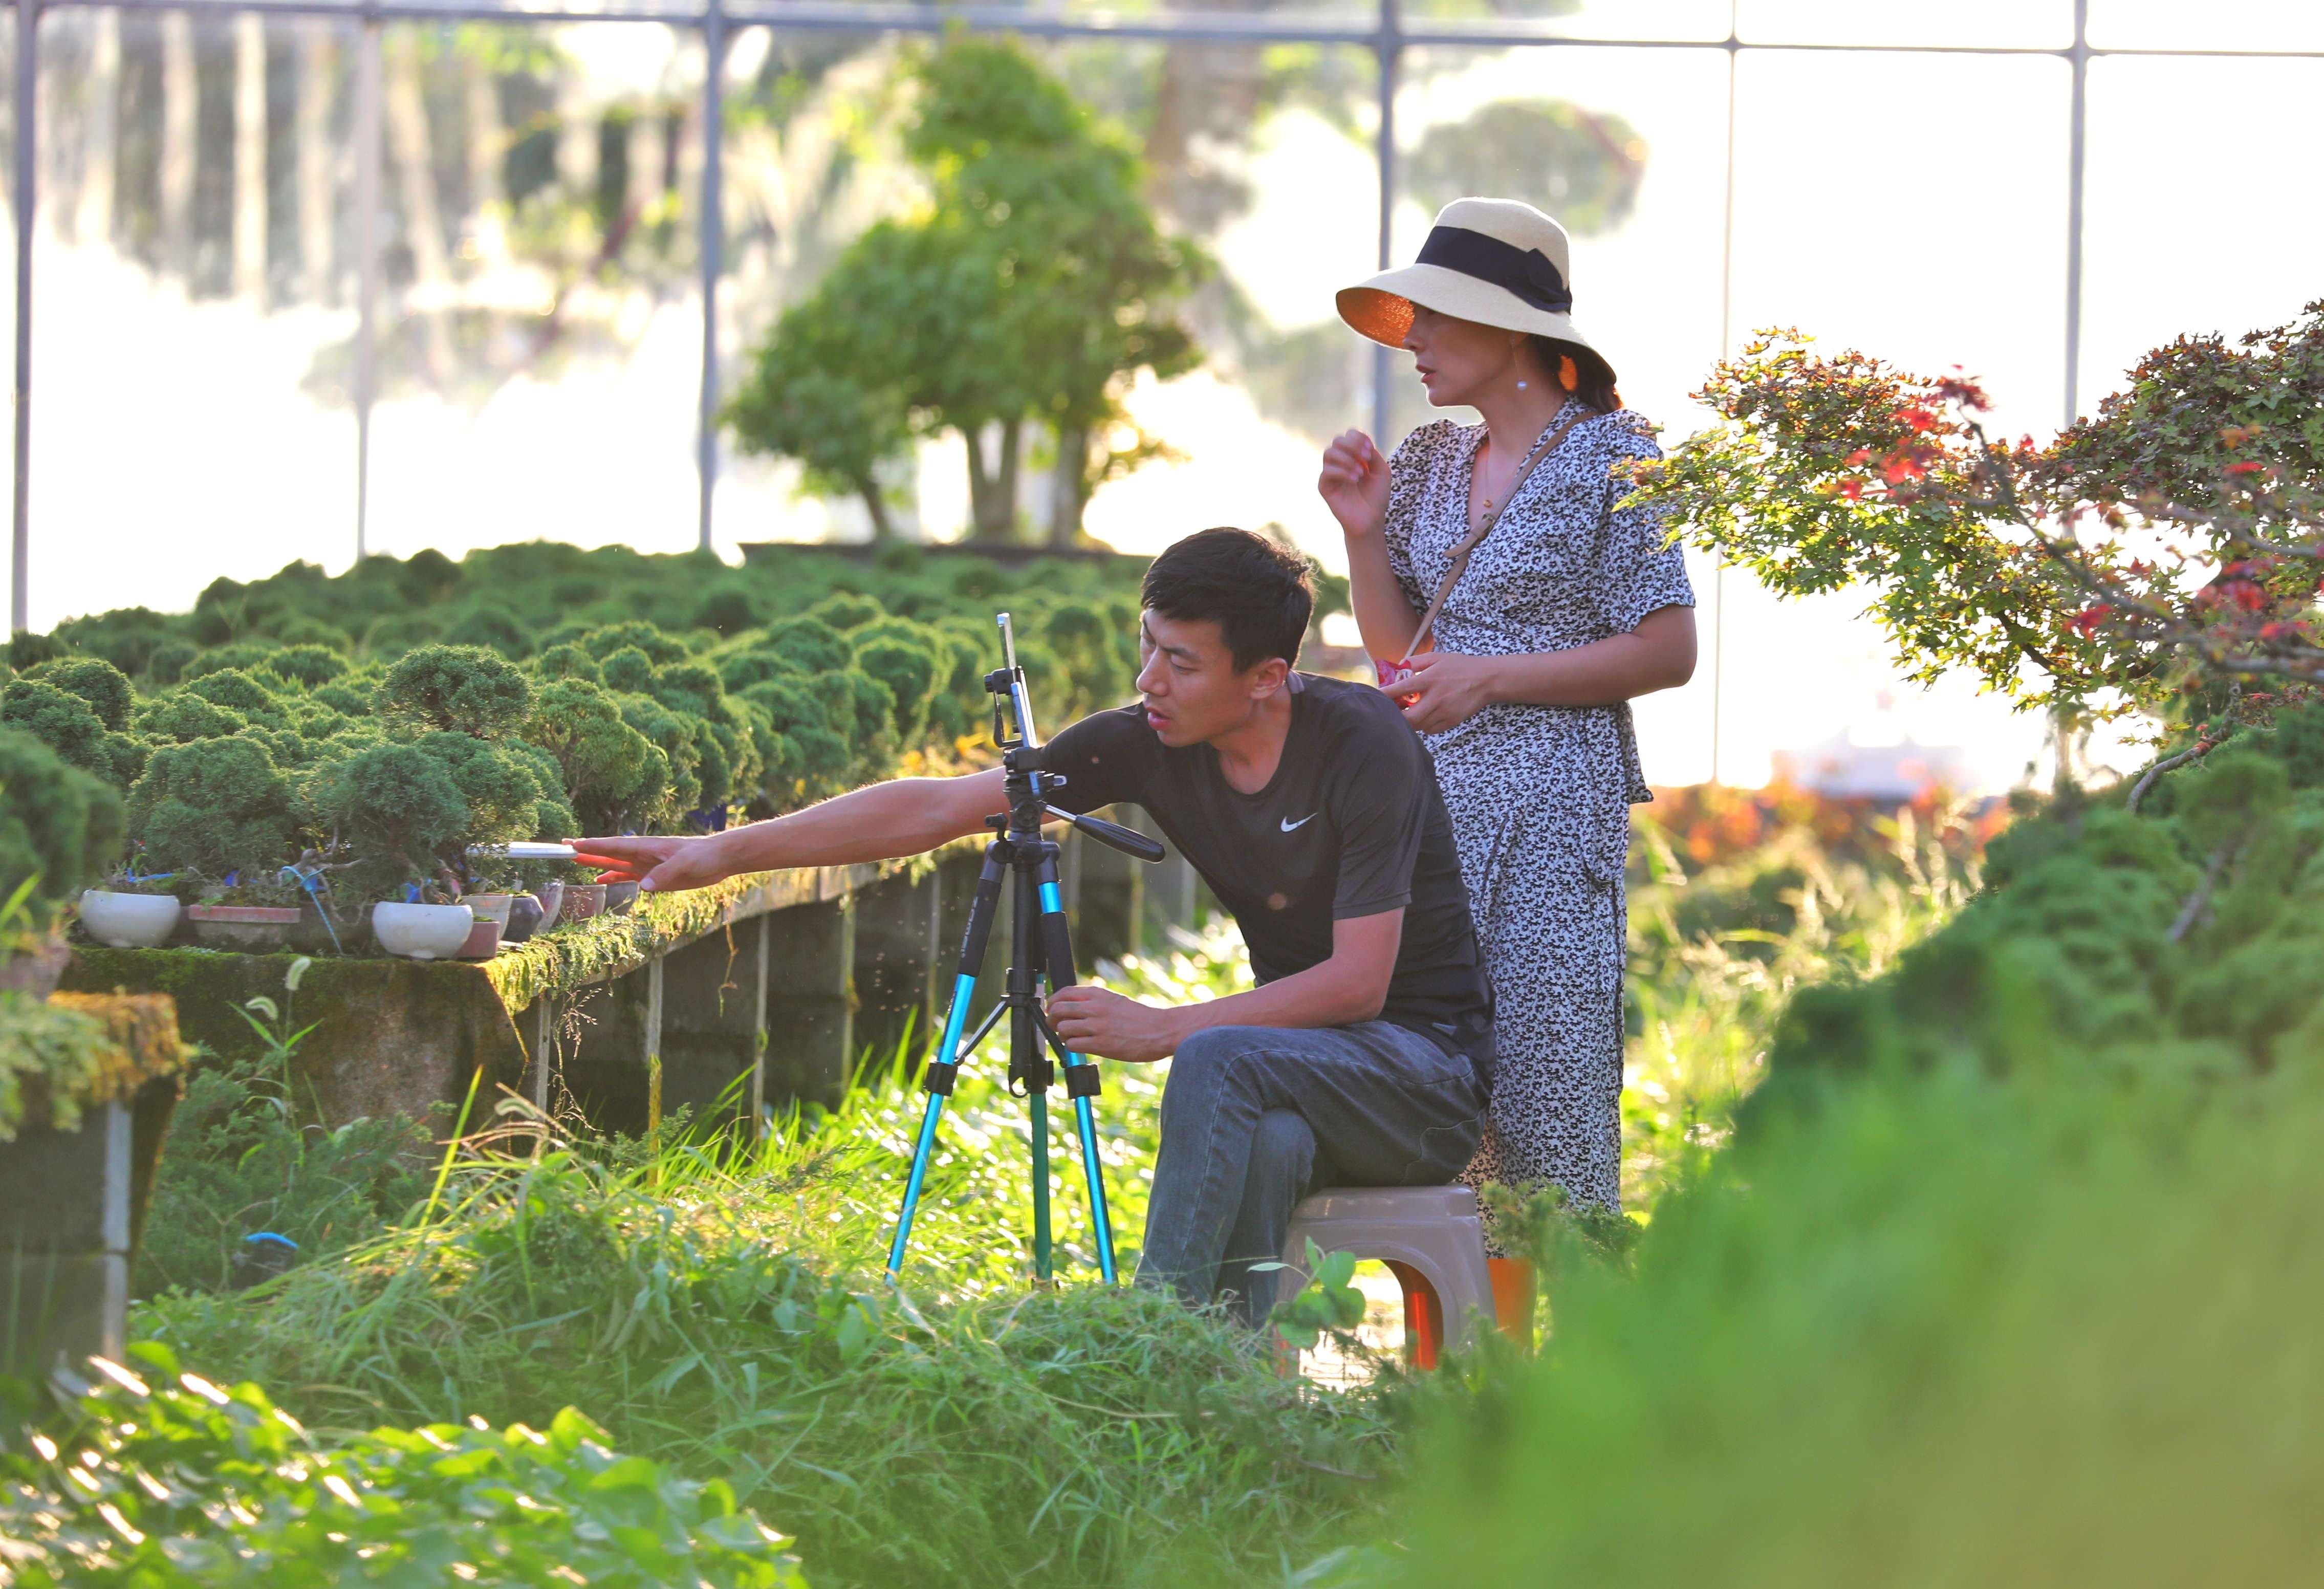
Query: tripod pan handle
x=1113 y=834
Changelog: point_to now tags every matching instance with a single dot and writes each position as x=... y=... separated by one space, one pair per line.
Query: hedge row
x=386 y=719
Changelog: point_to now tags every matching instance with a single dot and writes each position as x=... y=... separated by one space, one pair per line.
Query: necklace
x=1486 y=511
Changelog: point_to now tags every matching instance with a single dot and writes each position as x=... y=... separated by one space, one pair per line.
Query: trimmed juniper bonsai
x=60 y=827
x=397 y=812
x=462 y=688
x=610 y=773
x=97 y=681
x=214 y=806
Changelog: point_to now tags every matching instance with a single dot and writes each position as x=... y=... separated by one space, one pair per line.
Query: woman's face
x=1458 y=359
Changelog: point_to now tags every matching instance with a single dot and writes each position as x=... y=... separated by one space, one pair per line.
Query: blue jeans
x=1254 y=1117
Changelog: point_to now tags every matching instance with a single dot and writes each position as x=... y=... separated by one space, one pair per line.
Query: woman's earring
x=1521 y=386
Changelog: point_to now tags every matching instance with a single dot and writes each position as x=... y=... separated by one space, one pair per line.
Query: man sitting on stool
x=1364 y=1056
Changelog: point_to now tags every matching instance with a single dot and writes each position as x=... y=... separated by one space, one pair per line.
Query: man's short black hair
x=1259 y=592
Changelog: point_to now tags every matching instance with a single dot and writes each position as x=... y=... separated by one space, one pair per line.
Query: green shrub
x=1933 y=1331
x=464 y=689
x=61 y=830
x=500 y=786
x=161 y=1480
x=399 y=810
x=179 y=718
x=610 y=773
x=240 y=655
x=63 y=722
x=660 y=648
x=306 y=665
x=213 y=806
x=165 y=664
x=104 y=687
x=236 y=691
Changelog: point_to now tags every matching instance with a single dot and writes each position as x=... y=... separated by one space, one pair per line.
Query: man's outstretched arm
x=907 y=816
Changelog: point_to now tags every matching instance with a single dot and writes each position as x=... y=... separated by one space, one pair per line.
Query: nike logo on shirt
x=1288 y=825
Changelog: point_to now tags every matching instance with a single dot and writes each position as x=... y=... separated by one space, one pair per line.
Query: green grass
x=720 y=1309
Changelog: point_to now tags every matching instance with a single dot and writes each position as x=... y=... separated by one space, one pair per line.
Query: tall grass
x=718 y=1306
x=1718 y=949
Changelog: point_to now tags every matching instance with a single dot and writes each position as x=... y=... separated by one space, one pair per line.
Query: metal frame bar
x=1387 y=37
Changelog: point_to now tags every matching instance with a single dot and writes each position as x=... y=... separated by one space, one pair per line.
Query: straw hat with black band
x=1493 y=261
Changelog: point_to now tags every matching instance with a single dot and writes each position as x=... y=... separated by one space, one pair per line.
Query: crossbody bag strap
x=1476 y=538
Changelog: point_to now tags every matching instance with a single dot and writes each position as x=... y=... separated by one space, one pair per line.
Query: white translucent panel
x=1583 y=19
x=2023 y=25
x=1826 y=240
x=1643 y=199
x=539 y=323
x=2215 y=24
x=2197 y=231
x=194 y=308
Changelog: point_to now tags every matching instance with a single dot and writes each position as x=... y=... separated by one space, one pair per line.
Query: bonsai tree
x=69 y=726
x=104 y=687
x=178 y=718
x=399 y=813
x=1024 y=297
x=464 y=689
x=610 y=773
x=213 y=807
x=2162 y=558
x=60 y=827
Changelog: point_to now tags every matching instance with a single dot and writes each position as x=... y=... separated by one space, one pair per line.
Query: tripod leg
x=944 y=1061
x=1029 y=1054
x=1081 y=1072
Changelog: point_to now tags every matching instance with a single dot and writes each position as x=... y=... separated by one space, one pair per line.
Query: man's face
x=1187 y=677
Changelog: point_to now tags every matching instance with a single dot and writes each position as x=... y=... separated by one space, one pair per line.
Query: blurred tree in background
x=1021 y=297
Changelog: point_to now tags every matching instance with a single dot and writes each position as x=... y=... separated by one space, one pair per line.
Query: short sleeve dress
x=1540 y=795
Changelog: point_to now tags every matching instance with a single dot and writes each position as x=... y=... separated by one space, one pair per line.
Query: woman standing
x=1562 y=611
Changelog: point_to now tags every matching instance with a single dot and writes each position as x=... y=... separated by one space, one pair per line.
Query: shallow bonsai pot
x=129 y=921
x=422 y=932
x=620 y=897
x=253 y=929
x=582 y=900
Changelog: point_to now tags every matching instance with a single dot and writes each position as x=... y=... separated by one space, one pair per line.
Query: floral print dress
x=1540 y=795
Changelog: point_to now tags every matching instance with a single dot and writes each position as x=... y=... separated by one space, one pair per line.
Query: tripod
x=1040 y=951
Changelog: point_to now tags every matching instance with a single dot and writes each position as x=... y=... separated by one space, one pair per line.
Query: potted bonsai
x=255 y=911
x=59 y=827
x=133 y=909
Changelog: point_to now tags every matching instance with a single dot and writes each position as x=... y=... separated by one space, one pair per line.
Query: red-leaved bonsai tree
x=2164 y=557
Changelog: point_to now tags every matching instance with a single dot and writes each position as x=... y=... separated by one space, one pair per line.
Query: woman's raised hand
x=1354 y=483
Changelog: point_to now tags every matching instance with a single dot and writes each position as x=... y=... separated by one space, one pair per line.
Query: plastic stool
x=1430 y=1239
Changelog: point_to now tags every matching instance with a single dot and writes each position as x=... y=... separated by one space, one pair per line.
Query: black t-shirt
x=1351 y=824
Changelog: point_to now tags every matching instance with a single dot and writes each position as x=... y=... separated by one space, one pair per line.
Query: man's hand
x=1446 y=689
x=1092 y=1020
x=660 y=865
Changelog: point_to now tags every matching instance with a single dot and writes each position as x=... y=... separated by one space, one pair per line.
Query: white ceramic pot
x=421 y=932
x=129 y=921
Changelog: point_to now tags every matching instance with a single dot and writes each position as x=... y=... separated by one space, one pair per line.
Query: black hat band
x=1527 y=273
